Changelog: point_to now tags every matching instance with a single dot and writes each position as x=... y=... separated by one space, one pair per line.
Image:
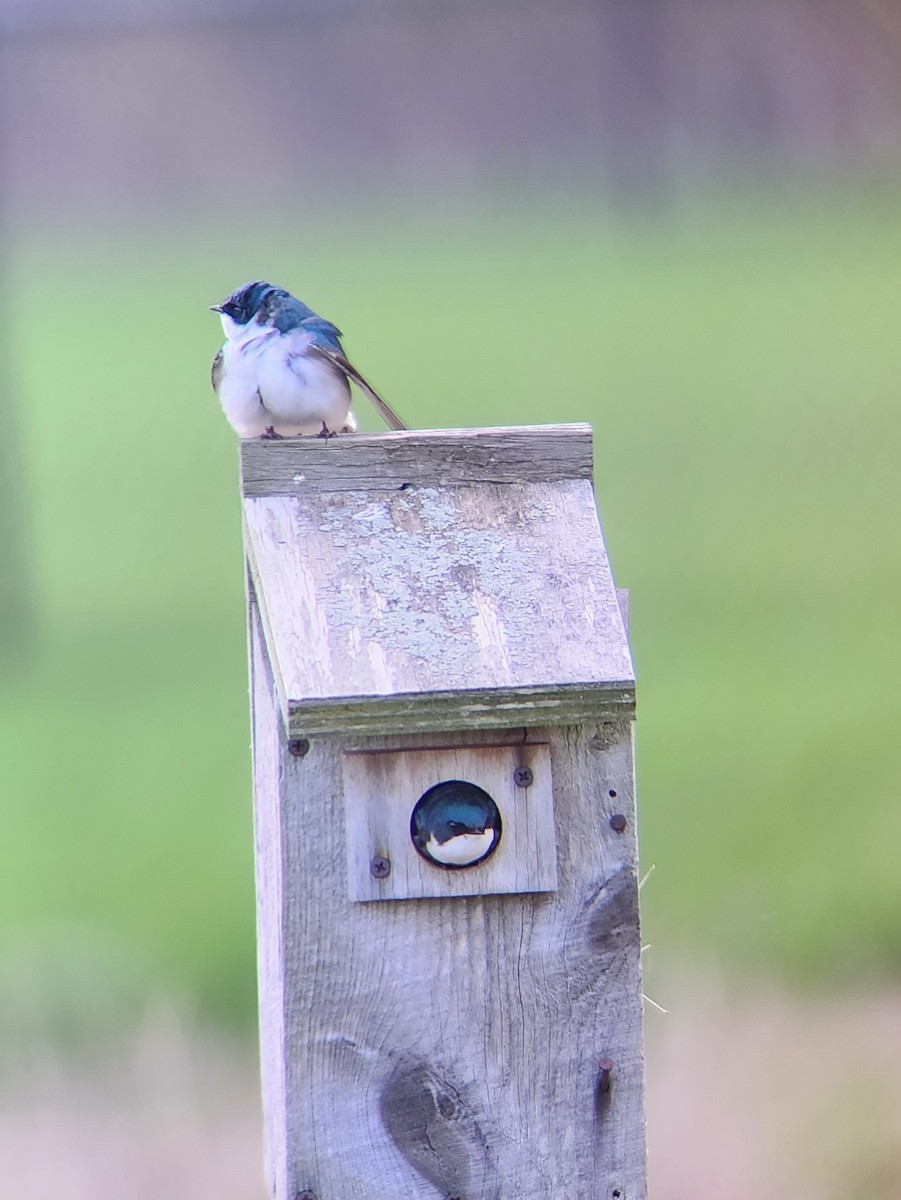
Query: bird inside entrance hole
x=455 y=824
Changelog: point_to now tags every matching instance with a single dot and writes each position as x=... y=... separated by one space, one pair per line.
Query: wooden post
x=432 y=607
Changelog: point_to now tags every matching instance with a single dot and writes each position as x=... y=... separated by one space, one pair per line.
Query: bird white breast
x=239 y=385
x=301 y=391
x=269 y=381
x=461 y=850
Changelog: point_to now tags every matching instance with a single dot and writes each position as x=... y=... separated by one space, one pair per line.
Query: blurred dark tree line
x=780 y=86
x=127 y=105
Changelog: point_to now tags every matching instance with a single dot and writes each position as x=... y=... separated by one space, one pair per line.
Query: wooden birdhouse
x=443 y=696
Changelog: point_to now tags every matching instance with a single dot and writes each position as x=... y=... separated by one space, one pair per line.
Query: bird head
x=245 y=302
x=261 y=303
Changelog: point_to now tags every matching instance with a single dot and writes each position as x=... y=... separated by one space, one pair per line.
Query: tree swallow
x=455 y=824
x=282 y=370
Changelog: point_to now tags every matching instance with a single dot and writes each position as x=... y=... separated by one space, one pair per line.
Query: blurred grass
x=740 y=365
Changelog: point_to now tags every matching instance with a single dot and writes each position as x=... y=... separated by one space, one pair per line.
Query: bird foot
x=325 y=432
x=270 y=435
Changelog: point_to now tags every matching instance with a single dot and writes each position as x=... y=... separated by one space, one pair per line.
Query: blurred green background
x=740 y=366
x=676 y=219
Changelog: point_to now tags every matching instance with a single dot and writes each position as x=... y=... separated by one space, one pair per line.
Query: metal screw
x=618 y=822
x=307 y=1195
x=298 y=747
x=380 y=867
x=606 y=1067
x=523 y=777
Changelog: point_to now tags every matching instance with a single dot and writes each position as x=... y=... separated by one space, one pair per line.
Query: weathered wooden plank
x=381 y=788
x=415 y=458
x=269 y=864
x=482 y=603
x=451 y=1047
x=461 y=709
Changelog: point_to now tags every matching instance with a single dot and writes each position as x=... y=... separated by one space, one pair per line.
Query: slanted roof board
x=434 y=607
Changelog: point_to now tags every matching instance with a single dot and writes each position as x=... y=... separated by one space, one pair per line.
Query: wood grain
x=449 y=1047
x=462 y=607
x=416 y=458
x=381 y=788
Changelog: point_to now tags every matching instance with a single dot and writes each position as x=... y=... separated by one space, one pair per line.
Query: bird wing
x=217 y=370
x=388 y=415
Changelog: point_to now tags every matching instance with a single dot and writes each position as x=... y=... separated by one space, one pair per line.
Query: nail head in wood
x=380 y=867
x=618 y=822
x=606 y=1067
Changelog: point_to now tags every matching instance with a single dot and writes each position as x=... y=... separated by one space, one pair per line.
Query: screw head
x=380 y=867
x=618 y=822
x=523 y=777
x=298 y=747
x=605 y=1067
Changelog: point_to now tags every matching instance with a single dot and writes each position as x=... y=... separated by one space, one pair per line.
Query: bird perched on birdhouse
x=282 y=370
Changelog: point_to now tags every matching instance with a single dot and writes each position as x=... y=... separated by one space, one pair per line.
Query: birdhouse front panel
x=460 y=821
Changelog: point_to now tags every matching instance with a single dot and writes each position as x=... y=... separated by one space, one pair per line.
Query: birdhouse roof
x=436 y=580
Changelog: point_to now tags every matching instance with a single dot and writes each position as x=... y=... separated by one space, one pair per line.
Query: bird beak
x=216 y=308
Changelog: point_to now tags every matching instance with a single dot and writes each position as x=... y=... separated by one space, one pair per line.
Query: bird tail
x=385 y=411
